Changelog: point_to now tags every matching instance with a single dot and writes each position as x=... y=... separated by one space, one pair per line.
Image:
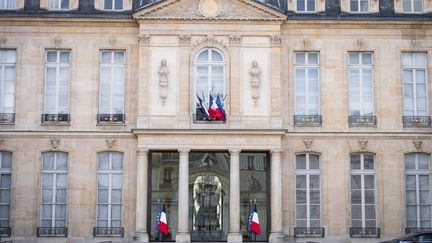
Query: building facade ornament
x=184 y=39
x=275 y=40
x=110 y=142
x=363 y=144
x=3 y=40
x=306 y=44
x=144 y=39
x=418 y=144
x=255 y=80
x=210 y=40
x=210 y=8
x=163 y=80
x=235 y=40
x=54 y=143
x=57 y=42
x=308 y=143
x=112 y=41
x=360 y=44
x=142 y=151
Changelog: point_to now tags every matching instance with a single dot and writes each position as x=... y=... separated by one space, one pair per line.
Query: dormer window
x=359 y=6
x=7 y=4
x=113 y=5
x=59 y=4
x=305 y=5
x=412 y=6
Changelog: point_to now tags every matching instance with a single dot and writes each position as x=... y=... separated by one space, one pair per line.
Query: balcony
x=5 y=232
x=362 y=120
x=55 y=118
x=7 y=118
x=307 y=120
x=108 y=232
x=111 y=118
x=309 y=232
x=364 y=232
x=52 y=232
x=412 y=230
x=416 y=121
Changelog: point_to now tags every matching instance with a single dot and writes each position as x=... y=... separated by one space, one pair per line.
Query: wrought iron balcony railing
x=110 y=118
x=5 y=232
x=55 y=118
x=416 y=121
x=412 y=230
x=307 y=120
x=6 y=118
x=108 y=231
x=362 y=120
x=197 y=118
x=52 y=232
x=309 y=232
x=364 y=232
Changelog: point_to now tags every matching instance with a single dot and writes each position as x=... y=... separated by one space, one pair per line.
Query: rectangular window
x=111 y=86
x=308 y=197
x=359 y=6
x=360 y=68
x=412 y=6
x=113 y=5
x=5 y=192
x=57 y=81
x=7 y=4
x=58 y=4
x=7 y=85
x=53 y=194
x=414 y=68
x=109 y=192
x=305 y=5
x=418 y=194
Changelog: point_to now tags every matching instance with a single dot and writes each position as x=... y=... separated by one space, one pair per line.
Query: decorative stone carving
x=275 y=40
x=414 y=44
x=184 y=39
x=112 y=41
x=418 y=144
x=57 y=42
x=255 y=79
x=308 y=143
x=235 y=40
x=3 y=40
x=163 y=80
x=110 y=142
x=54 y=143
x=144 y=39
x=210 y=40
x=210 y=8
x=363 y=144
x=306 y=44
x=360 y=44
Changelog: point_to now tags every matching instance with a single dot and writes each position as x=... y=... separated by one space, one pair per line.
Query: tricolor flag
x=203 y=107
x=214 y=111
x=254 y=225
x=163 y=223
x=220 y=106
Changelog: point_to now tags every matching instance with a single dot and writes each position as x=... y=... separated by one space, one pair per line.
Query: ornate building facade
x=324 y=119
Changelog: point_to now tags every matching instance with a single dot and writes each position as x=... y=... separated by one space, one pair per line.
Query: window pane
x=300 y=181
x=108 y=4
x=368 y=162
x=356 y=212
x=314 y=182
x=355 y=162
x=117 y=161
x=116 y=196
x=5 y=196
x=310 y=5
x=61 y=196
x=47 y=196
x=411 y=198
x=102 y=212
x=116 y=212
x=369 y=196
x=315 y=212
x=300 y=58
x=301 y=162
x=301 y=212
x=51 y=56
x=61 y=181
x=369 y=181
x=119 y=56
x=314 y=197
x=6 y=160
x=301 y=5
x=102 y=196
x=103 y=181
x=103 y=161
x=216 y=56
x=48 y=161
x=5 y=181
x=355 y=196
x=301 y=196
x=410 y=182
x=355 y=181
x=60 y=211
x=203 y=57
x=370 y=211
x=313 y=161
x=424 y=182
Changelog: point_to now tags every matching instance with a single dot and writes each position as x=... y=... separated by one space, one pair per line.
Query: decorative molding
x=210 y=40
x=110 y=142
x=210 y=8
x=54 y=143
x=308 y=143
x=112 y=41
x=184 y=39
x=276 y=40
x=3 y=41
x=360 y=44
x=414 y=44
x=144 y=39
x=306 y=44
x=57 y=42
x=235 y=40
x=363 y=144
x=255 y=80
x=142 y=151
x=184 y=150
x=418 y=144
x=163 y=80
x=234 y=151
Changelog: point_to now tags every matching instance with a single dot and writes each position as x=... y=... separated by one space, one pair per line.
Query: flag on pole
x=158 y=215
x=163 y=223
x=221 y=109
x=203 y=106
x=250 y=216
x=254 y=224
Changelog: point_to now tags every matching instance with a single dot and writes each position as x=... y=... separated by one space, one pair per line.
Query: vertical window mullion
x=112 y=80
x=361 y=91
x=308 y=201
x=418 y=200
x=57 y=81
x=109 y=190
x=363 y=201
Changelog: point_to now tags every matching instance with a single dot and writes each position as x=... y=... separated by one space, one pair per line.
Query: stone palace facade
x=327 y=127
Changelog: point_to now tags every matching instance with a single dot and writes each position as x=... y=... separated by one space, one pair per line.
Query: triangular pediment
x=193 y=10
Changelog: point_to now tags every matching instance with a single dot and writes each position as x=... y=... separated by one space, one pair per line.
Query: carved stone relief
x=255 y=79
x=163 y=80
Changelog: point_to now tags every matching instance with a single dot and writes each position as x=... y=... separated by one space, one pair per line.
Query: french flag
x=163 y=223
x=254 y=225
x=214 y=111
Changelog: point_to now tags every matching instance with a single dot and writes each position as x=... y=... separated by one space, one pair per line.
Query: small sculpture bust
x=163 y=73
x=255 y=74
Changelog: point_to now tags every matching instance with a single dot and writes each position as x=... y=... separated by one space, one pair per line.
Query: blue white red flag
x=254 y=225
x=163 y=223
x=158 y=215
x=220 y=107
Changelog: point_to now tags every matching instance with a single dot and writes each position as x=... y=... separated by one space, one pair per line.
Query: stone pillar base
x=276 y=237
x=141 y=237
x=183 y=237
x=234 y=237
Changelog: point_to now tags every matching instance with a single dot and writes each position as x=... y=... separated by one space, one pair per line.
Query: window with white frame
x=418 y=193
x=58 y=4
x=412 y=6
x=54 y=189
x=414 y=67
x=109 y=189
x=359 y=6
x=305 y=5
x=360 y=68
x=5 y=188
x=7 y=4
x=112 y=82
x=113 y=5
x=363 y=202
x=306 y=79
x=308 y=197
x=57 y=76
x=7 y=84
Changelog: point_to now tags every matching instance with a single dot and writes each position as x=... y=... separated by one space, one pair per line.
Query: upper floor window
x=113 y=5
x=305 y=5
x=5 y=191
x=111 y=86
x=7 y=4
x=359 y=6
x=7 y=85
x=209 y=84
x=414 y=67
x=58 y=4
x=57 y=76
x=412 y=6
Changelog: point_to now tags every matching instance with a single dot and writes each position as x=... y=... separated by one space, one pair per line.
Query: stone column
x=141 y=196
x=234 y=211
x=184 y=115
x=183 y=234
x=276 y=234
x=235 y=75
x=143 y=81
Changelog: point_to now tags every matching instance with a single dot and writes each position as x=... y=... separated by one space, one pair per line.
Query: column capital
x=142 y=150
x=234 y=151
x=276 y=151
x=144 y=39
x=184 y=150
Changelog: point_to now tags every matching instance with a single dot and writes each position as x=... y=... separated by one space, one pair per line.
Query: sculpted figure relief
x=163 y=80
x=255 y=79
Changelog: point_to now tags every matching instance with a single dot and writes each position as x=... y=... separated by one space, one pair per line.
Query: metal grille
x=364 y=232
x=108 y=231
x=110 y=118
x=307 y=232
x=362 y=120
x=52 y=118
x=5 y=232
x=412 y=230
x=7 y=117
x=416 y=121
x=52 y=231
x=307 y=120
